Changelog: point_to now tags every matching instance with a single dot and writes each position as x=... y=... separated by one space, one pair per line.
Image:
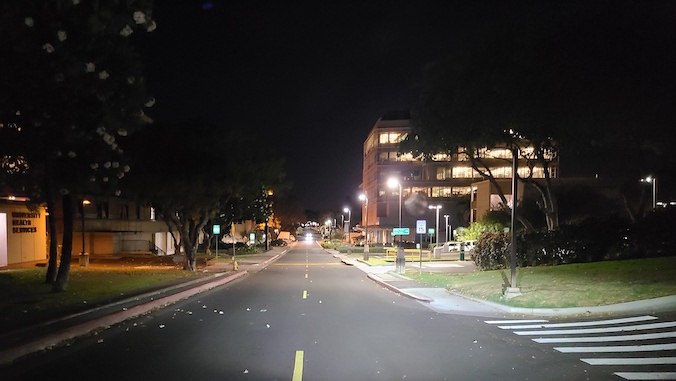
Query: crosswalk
x=633 y=348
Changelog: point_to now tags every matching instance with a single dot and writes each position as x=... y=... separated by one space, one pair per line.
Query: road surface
x=308 y=316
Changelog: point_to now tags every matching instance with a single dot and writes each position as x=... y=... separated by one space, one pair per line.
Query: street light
x=401 y=260
x=437 y=207
x=446 y=230
x=366 y=225
x=346 y=225
x=653 y=181
x=84 y=260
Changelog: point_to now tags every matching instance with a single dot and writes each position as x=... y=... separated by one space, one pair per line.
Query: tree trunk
x=207 y=242
x=67 y=249
x=552 y=211
x=53 y=242
x=190 y=261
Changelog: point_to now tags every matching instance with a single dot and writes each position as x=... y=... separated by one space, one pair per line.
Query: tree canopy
x=195 y=172
x=71 y=86
x=578 y=77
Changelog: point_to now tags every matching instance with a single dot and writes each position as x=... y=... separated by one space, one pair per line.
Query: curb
x=381 y=282
x=665 y=303
x=10 y=355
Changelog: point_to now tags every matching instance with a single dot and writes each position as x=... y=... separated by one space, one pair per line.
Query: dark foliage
x=592 y=240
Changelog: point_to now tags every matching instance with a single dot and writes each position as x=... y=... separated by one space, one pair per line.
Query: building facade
x=23 y=232
x=113 y=225
x=445 y=181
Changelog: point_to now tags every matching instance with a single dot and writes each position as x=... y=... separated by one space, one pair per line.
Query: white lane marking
x=632 y=361
x=581 y=323
x=514 y=321
x=639 y=327
x=618 y=348
x=601 y=339
x=647 y=375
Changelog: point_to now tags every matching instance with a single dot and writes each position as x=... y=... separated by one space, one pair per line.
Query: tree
x=573 y=78
x=72 y=84
x=289 y=211
x=196 y=172
x=468 y=104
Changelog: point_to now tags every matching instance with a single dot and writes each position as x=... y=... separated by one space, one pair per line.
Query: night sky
x=315 y=76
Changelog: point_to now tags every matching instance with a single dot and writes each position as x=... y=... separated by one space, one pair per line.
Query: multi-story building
x=448 y=181
x=114 y=225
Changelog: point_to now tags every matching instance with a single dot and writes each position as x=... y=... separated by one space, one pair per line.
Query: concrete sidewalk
x=444 y=301
x=19 y=343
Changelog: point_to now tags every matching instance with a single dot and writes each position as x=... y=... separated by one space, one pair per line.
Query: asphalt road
x=308 y=316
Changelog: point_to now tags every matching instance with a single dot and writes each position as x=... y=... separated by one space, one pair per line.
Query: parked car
x=455 y=245
x=469 y=245
x=452 y=246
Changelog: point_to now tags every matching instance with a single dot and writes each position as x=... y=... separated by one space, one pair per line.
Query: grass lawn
x=26 y=300
x=573 y=285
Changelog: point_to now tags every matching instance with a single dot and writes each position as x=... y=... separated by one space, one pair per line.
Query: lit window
x=391 y=137
x=441 y=191
x=406 y=157
x=501 y=172
x=462 y=172
x=441 y=157
x=461 y=191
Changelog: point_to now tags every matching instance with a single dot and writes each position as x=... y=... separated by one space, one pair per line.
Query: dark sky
x=312 y=76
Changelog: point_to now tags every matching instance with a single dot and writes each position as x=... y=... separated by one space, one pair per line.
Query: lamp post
x=436 y=207
x=366 y=225
x=401 y=260
x=513 y=290
x=653 y=182
x=84 y=257
x=436 y=221
x=346 y=227
x=446 y=230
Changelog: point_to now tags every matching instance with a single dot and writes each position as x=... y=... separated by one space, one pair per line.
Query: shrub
x=652 y=236
x=491 y=251
x=476 y=229
x=591 y=240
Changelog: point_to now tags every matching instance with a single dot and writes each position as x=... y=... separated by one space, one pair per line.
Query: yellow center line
x=304 y=294
x=305 y=275
x=298 y=366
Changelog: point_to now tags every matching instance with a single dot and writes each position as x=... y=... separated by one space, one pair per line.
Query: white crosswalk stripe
x=601 y=339
x=652 y=343
x=647 y=375
x=631 y=361
x=580 y=323
x=640 y=327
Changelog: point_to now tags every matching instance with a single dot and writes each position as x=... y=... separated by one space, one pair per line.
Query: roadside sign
x=430 y=231
x=217 y=229
x=420 y=226
x=400 y=231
